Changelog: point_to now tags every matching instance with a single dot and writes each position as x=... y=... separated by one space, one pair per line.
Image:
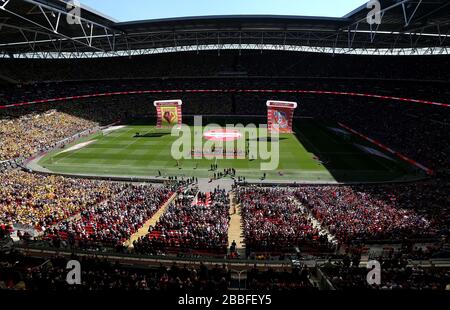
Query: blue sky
x=126 y=10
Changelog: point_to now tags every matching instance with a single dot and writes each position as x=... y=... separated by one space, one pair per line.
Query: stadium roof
x=47 y=29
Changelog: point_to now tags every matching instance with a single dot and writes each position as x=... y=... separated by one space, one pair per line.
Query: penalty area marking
x=112 y=128
x=77 y=147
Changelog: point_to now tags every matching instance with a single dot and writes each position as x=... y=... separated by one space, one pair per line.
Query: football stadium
x=231 y=154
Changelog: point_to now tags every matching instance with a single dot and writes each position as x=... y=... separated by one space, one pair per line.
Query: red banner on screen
x=280 y=115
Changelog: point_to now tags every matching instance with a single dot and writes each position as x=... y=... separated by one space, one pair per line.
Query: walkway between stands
x=205 y=185
x=323 y=230
x=151 y=222
x=235 y=231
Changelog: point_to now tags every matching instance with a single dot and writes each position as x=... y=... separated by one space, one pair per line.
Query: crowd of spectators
x=112 y=222
x=83 y=212
x=282 y=280
x=24 y=273
x=395 y=275
x=40 y=201
x=190 y=226
x=19 y=272
x=30 y=134
x=274 y=222
x=390 y=212
x=240 y=63
x=24 y=93
x=349 y=214
x=11 y=164
x=97 y=274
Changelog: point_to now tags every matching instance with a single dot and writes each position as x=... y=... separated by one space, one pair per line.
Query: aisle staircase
x=151 y=222
x=235 y=229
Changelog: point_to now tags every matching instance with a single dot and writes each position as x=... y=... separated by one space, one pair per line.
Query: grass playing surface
x=313 y=153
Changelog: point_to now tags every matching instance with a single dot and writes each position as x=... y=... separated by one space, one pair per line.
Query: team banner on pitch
x=280 y=115
x=169 y=113
x=169 y=116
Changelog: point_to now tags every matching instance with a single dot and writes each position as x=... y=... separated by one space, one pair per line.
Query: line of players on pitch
x=221 y=152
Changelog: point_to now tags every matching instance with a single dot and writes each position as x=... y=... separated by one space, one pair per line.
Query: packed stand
x=229 y=63
x=24 y=273
x=380 y=213
x=113 y=222
x=274 y=222
x=282 y=280
x=395 y=275
x=40 y=201
x=33 y=133
x=193 y=224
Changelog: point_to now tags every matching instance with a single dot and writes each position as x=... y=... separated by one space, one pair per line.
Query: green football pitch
x=313 y=153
